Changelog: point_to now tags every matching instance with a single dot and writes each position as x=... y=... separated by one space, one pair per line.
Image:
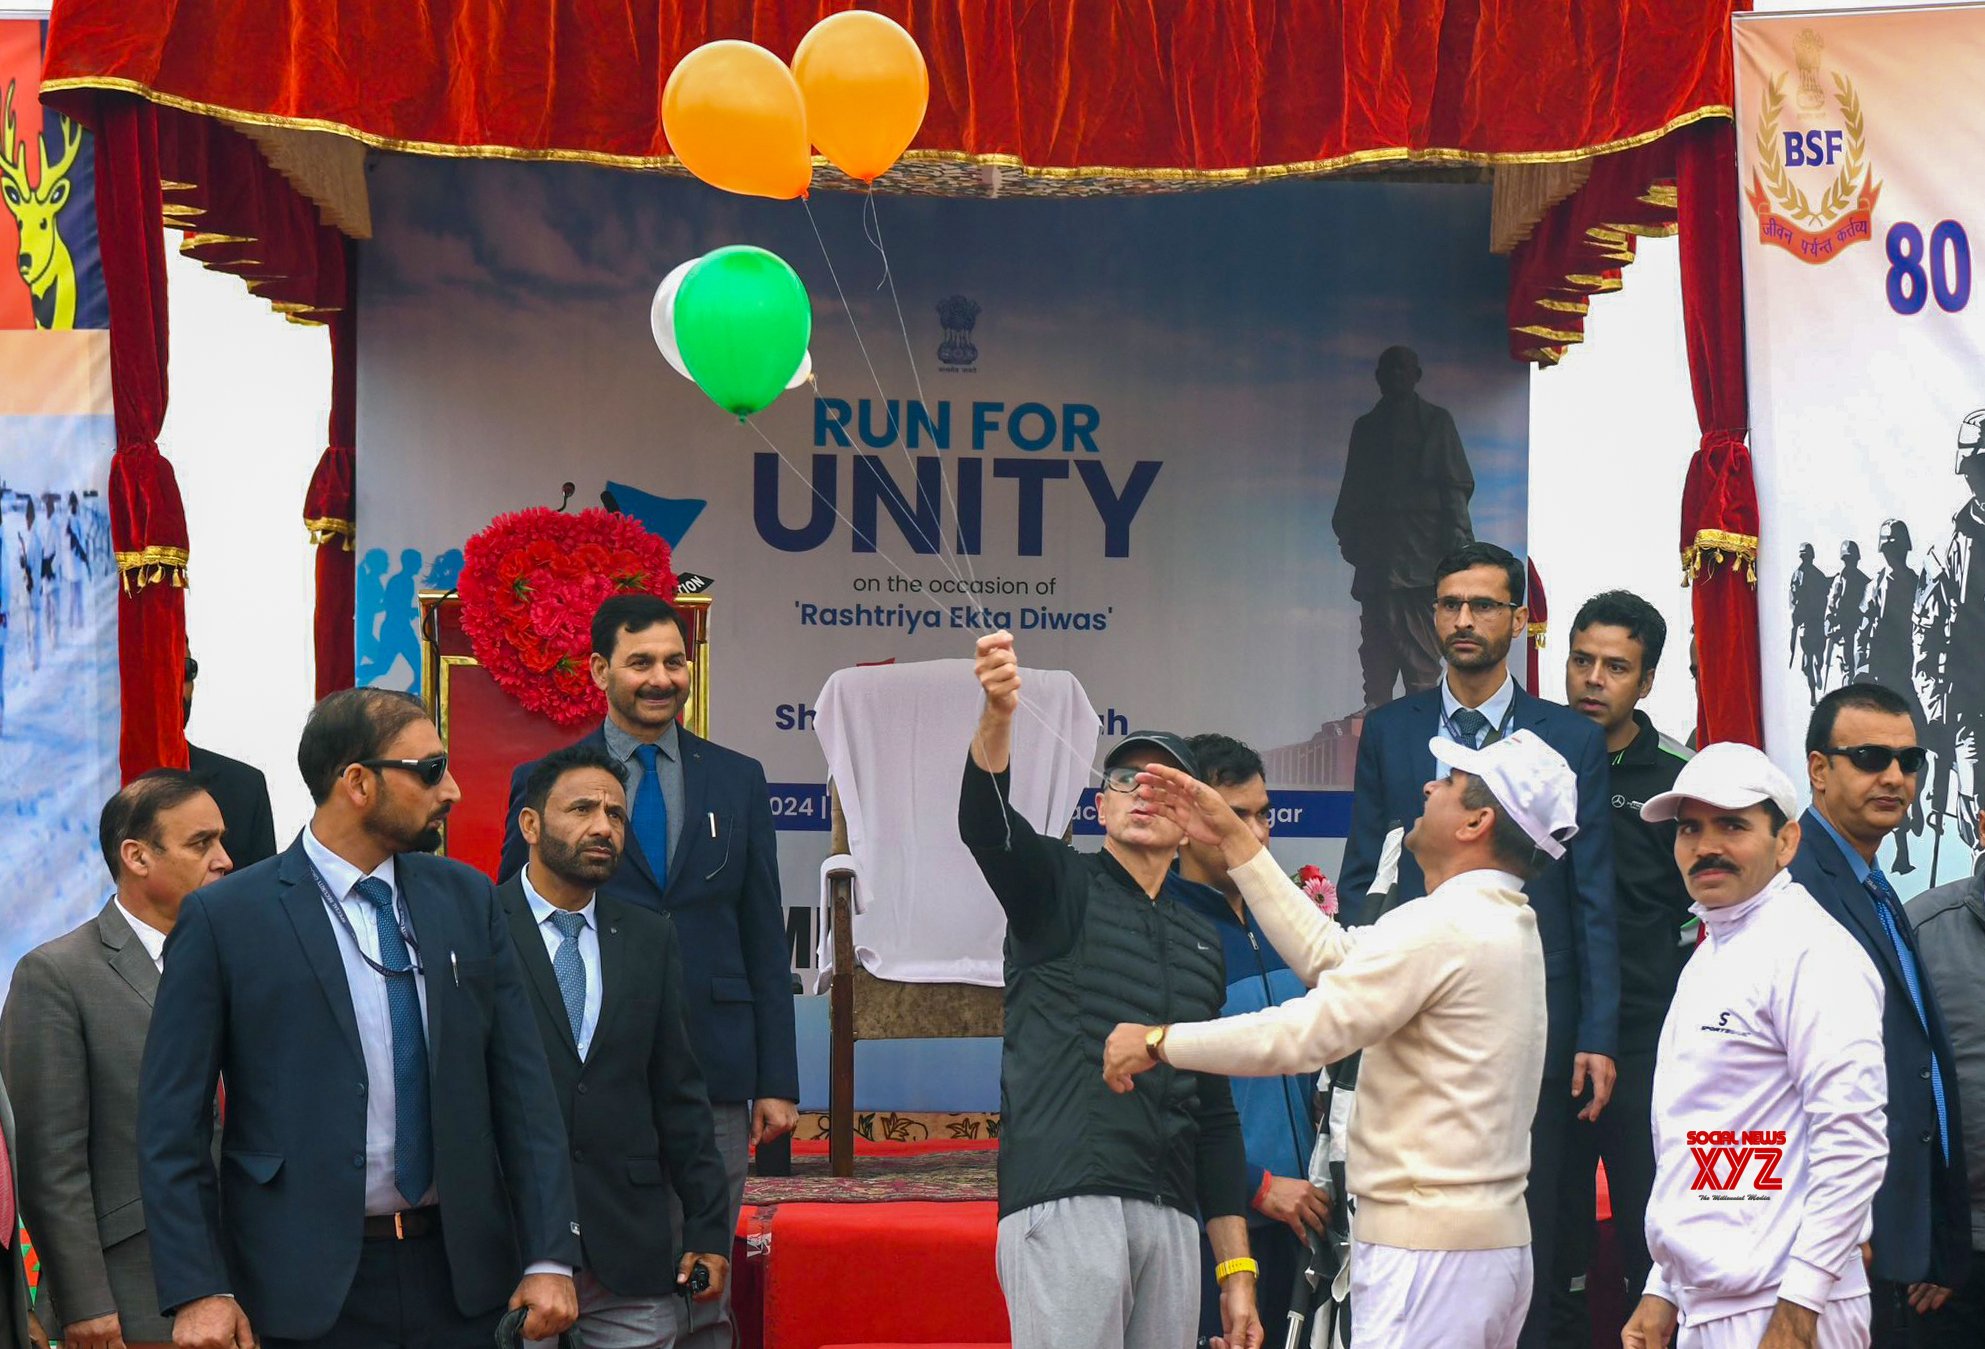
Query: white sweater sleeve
x=1376 y=989
x=1830 y=1015
x=1307 y=938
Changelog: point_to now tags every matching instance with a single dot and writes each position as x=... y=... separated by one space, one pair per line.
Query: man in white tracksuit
x=1446 y=997
x=1770 y=1094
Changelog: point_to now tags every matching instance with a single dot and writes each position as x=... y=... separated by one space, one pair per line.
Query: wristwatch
x=1154 y=1043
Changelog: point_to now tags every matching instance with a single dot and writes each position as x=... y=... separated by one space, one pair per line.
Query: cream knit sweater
x=1446 y=997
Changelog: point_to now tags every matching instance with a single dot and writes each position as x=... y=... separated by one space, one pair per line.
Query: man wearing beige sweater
x=1446 y=996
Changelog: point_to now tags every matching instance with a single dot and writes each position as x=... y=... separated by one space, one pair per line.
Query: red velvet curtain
x=147 y=519
x=1206 y=86
x=1719 y=500
x=330 y=508
x=1540 y=625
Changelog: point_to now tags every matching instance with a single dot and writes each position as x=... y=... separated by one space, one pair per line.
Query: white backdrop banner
x=1859 y=138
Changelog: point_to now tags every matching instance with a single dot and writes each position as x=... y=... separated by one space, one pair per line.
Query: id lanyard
x=1497 y=733
x=400 y=921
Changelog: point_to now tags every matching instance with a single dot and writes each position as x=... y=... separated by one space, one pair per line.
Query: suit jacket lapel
x=614 y=973
x=126 y=954
x=435 y=945
x=529 y=942
x=695 y=794
x=303 y=901
x=1856 y=904
x=1423 y=758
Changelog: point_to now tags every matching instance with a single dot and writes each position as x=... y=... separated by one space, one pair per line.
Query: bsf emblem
x=1811 y=187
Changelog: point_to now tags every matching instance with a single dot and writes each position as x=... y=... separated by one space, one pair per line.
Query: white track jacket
x=1770 y=1104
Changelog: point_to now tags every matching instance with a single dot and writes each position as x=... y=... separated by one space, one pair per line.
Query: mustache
x=1709 y=864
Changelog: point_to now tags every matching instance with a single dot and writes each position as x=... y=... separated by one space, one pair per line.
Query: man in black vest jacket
x=607 y=980
x=1098 y=1192
x=1865 y=765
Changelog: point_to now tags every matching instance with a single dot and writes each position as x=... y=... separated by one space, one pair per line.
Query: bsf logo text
x=1724 y=1158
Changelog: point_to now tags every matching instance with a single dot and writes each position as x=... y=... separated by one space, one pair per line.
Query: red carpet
x=866 y=1274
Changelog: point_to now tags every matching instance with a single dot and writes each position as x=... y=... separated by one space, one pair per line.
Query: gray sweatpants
x=1100 y=1272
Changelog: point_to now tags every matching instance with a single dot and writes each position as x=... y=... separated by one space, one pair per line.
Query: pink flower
x=1312 y=882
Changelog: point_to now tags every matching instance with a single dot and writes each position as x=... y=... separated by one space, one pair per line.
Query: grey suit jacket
x=71 y=1040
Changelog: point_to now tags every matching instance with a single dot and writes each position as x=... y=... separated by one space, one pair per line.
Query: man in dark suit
x=392 y=1158
x=239 y=789
x=608 y=980
x=1478 y=613
x=701 y=849
x=71 y=1040
x=1865 y=765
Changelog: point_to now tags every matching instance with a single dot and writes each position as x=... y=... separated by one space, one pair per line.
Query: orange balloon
x=734 y=117
x=866 y=89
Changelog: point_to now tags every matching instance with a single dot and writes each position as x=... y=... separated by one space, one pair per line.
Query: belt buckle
x=399 y=1226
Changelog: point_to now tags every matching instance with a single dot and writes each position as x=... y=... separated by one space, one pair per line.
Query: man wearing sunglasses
x=393 y=1164
x=1479 y=614
x=1098 y=1192
x=1865 y=766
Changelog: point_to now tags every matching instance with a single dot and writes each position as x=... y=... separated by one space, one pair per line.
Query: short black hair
x=1485 y=555
x=1224 y=761
x=546 y=772
x=1516 y=850
x=633 y=612
x=134 y=812
x=347 y=726
x=1624 y=609
x=1867 y=697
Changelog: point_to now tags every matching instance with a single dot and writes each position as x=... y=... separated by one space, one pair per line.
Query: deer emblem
x=44 y=259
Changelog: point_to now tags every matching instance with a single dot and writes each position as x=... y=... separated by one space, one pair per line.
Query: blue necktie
x=1469 y=724
x=570 y=969
x=413 y=1144
x=1885 y=905
x=650 y=813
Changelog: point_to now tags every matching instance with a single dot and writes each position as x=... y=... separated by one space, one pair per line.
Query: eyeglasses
x=430 y=770
x=1876 y=758
x=1479 y=606
x=1121 y=779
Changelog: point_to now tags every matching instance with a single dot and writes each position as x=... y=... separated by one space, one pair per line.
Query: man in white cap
x=1446 y=997
x=1769 y=1087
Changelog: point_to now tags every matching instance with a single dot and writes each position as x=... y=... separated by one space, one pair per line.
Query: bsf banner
x=1143 y=433
x=1858 y=138
x=58 y=580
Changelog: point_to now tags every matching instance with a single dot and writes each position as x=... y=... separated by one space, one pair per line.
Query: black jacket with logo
x=1087 y=949
x=1650 y=899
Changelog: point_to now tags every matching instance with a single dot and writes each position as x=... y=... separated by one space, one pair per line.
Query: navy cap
x=1172 y=746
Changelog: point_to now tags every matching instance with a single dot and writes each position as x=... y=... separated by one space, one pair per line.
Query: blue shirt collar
x=1496 y=709
x=1855 y=862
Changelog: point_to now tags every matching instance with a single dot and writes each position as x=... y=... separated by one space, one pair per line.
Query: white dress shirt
x=1496 y=709
x=149 y=937
x=375 y=1019
x=589 y=953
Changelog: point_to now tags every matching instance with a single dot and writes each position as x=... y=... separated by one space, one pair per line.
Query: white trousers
x=1403 y=1299
x=1843 y=1325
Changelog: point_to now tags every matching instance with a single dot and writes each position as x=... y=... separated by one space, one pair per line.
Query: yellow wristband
x=1241 y=1266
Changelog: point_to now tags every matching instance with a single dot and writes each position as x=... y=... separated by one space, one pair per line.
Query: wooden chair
x=862 y=1007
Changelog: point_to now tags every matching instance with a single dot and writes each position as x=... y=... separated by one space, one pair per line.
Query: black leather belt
x=404 y=1225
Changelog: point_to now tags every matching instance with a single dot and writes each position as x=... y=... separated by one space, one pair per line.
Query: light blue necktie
x=413 y=1143
x=650 y=813
x=1885 y=905
x=570 y=969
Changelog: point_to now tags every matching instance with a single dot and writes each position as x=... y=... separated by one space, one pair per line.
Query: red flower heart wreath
x=531 y=582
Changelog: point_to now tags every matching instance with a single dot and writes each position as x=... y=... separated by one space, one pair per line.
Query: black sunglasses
x=1876 y=758
x=430 y=770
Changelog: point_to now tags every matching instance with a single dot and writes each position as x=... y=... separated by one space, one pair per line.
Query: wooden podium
x=487 y=733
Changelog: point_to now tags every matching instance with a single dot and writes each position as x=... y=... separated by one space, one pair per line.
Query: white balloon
x=661 y=316
x=804 y=373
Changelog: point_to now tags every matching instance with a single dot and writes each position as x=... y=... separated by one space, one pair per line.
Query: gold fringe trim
x=1537 y=631
x=1714 y=547
x=1299 y=168
x=327 y=528
x=154 y=565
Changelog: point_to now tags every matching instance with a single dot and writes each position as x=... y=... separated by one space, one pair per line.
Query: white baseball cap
x=1530 y=781
x=1729 y=776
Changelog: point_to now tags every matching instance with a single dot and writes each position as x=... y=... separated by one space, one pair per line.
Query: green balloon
x=742 y=322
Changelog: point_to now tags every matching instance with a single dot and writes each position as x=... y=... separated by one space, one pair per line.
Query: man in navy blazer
x=1865 y=764
x=700 y=848
x=392 y=1161
x=1478 y=612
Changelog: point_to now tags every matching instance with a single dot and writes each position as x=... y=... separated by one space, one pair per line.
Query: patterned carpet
x=943 y=1176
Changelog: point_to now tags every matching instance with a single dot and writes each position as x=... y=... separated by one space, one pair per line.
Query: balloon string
x=870 y=212
x=1087 y=761
x=902 y=438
